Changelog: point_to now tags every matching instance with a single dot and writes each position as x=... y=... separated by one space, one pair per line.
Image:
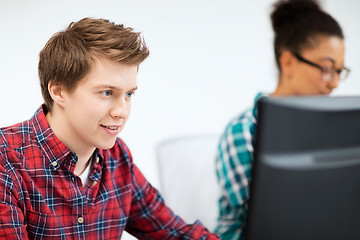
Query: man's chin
x=108 y=145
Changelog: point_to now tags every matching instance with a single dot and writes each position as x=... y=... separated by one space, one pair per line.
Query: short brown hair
x=67 y=56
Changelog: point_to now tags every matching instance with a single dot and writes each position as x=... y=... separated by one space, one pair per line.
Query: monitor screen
x=306 y=173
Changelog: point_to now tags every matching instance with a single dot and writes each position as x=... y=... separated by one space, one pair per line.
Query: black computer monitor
x=306 y=174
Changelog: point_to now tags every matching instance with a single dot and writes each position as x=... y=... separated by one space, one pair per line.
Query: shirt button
x=94 y=183
x=97 y=159
x=54 y=163
x=72 y=179
x=80 y=220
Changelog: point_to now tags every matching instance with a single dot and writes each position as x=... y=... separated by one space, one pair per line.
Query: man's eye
x=129 y=94
x=107 y=92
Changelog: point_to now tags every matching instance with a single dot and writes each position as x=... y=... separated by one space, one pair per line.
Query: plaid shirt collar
x=56 y=152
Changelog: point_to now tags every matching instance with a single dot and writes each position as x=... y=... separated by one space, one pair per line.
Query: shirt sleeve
x=233 y=168
x=12 y=225
x=150 y=218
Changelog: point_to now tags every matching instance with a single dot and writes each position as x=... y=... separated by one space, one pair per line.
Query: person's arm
x=12 y=224
x=150 y=218
x=233 y=167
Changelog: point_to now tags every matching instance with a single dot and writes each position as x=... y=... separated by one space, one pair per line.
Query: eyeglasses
x=328 y=73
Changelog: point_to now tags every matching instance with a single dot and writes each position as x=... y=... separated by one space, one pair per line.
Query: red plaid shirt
x=42 y=198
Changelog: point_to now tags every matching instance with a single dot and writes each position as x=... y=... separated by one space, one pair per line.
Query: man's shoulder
x=12 y=139
x=16 y=135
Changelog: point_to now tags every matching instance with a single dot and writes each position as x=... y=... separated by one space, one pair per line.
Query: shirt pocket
x=44 y=226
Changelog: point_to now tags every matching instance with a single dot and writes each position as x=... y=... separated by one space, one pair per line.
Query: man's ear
x=56 y=92
x=287 y=62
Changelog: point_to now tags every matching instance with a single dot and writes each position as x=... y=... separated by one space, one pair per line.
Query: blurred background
x=208 y=60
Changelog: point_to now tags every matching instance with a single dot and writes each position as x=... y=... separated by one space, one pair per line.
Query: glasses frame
x=325 y=70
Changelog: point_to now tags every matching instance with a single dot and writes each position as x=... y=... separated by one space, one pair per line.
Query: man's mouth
x=110 y=127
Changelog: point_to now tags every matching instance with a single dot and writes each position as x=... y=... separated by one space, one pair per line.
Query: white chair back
x=187 y=176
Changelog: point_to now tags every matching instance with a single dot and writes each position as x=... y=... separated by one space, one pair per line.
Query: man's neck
x=64 y=135
x=81 y=165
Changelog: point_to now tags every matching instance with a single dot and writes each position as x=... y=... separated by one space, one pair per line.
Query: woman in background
x=309 y=52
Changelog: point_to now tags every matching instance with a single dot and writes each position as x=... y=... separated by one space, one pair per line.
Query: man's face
x=97 y=110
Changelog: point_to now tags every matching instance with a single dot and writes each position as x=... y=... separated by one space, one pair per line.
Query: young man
x=64 y=174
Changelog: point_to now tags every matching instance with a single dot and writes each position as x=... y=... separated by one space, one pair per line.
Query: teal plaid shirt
x=233 y=168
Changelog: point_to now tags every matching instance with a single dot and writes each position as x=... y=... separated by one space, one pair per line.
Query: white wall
x=208 y=59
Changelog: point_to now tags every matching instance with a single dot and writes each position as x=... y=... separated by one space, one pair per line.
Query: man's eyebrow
x=112 y=87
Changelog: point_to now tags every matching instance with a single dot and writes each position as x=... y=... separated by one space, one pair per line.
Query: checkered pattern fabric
x=42 y=198
x=233 y=168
